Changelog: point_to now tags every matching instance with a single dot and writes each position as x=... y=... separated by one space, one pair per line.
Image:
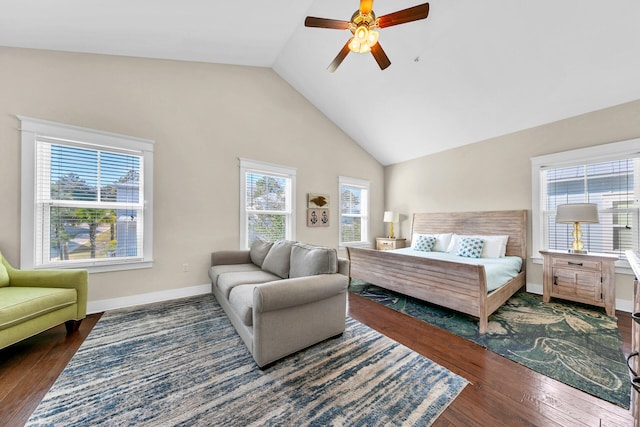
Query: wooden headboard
x=511 y=223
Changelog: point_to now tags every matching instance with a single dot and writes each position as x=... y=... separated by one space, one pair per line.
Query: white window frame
x=247 y=165
x=597 y=154
x=33 y=129
x=344 y=181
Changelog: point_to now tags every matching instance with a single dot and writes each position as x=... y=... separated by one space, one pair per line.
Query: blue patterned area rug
x=576 y=344
x=182 y=363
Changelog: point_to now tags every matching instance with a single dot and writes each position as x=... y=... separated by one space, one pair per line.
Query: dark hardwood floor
x=501 y=393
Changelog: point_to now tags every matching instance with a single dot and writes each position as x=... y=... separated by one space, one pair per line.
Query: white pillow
x=494 y=246
x=442 y=241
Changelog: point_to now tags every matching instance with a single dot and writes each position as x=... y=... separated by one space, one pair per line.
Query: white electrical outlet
x=185 y=267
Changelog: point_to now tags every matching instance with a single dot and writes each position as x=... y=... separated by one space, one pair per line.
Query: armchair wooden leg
x=72 y=325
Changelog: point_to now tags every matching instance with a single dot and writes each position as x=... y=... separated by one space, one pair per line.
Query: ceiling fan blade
x=338 y=59
x=403 y=16
x=366 y=6
x=381 y=58
x=333 y=24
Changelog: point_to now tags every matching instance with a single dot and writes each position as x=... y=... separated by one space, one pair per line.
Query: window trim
x=366 y=218
x=31 y=130
x=268 y=169
x=595 y=154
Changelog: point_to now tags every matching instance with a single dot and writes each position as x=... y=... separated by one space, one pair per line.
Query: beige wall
x=496 y=174
x=202 y=118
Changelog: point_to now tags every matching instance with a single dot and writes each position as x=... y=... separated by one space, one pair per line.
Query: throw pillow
x=309 y=260
x=278 y=259
x=424 y=243
x=470 y=247
x=259 y=250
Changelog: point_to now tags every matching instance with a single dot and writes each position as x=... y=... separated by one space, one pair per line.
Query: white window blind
x=354 y=211
x=90 y=204
x=608 y=184
x=607 y=175
x=267 y=194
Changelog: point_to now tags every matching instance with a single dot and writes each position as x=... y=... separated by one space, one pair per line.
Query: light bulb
x=372 y=39
x=362 y=34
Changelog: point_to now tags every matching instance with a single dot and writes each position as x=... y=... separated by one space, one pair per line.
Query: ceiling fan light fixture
x=363 y=39
x=372 y=39
x=357 y=47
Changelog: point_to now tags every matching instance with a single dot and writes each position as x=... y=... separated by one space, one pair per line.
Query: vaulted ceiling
x=471 y=71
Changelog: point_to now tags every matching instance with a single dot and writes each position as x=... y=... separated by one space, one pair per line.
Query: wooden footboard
x=460 y=287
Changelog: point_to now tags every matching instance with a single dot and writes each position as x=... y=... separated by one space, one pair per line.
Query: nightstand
x=388 y=243
x=587 y=278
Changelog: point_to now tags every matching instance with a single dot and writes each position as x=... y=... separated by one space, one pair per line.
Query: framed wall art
x=317 y=217
x=317 y=200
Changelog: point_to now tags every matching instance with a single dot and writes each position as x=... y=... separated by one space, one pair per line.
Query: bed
x=455 y=285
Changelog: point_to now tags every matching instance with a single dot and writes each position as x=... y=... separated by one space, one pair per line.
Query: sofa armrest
x=230 y=257
x=76 y=279
x=343 y=266
x=298 y=291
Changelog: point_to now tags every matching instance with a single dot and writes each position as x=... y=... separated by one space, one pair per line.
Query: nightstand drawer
x=578 y=264
x=389 y=243
x=386 y=244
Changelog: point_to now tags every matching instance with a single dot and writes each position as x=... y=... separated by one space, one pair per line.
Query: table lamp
x=391 y=217
x=576 y=213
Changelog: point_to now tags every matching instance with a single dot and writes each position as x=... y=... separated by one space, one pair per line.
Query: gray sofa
x=281 y=297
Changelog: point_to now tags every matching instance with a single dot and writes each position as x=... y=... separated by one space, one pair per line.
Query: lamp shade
x=577 y=212
x=390 y=216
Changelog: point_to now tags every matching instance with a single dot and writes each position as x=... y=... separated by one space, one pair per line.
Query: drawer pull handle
x=634 y=354
x=579 y=264
x=635 y=381
x=555 y=280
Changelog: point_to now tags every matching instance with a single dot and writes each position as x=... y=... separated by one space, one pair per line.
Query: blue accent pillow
x=470 y=247
x=425 y=243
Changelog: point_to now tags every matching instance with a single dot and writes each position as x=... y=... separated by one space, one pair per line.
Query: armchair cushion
x=22 y=304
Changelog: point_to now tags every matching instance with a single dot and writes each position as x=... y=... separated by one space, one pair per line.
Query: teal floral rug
x=576 y=344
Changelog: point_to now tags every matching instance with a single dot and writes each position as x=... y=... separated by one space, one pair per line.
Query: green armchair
x=32 y=301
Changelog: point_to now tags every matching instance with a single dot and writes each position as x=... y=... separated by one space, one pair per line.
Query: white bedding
x=498 y=270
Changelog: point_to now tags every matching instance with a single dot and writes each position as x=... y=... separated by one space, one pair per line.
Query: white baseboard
x=621 y=304
x=140 y=299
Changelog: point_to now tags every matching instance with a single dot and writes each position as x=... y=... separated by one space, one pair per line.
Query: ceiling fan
x=363 y=25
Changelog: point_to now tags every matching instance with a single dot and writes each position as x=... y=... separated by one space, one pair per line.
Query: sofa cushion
x=241 y=300
x=278 y=258
x=309 y=260
x=227 y=281
x=4 y=274
x=217 y=270
x=19 y=304
x=259 y=250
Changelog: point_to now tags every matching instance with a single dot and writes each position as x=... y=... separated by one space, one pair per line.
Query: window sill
x=102 y=267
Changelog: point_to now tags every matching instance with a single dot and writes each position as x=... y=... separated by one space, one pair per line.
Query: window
x=354 y=212
x=86 y=198
x=266 y=202
x=606 y=175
